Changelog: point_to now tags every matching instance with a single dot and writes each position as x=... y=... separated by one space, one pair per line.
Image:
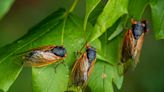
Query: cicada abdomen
x=43 y=56
x=83 y=67
x=133 y=41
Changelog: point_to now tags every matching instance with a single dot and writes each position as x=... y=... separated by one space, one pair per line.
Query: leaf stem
x=66 y=15
x=63 y=29
x=73 y=6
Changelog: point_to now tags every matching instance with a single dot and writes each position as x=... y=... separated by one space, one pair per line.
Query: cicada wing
x=43 y=48
x=128 y=46
x=127 y=66
x=138 y=49
x=127 y=50
x=77 y=73
x=88 y=75
x=91 y=67
x=41 y=58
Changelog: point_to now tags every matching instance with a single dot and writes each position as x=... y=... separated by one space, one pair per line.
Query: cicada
x=43 y=56
x=83 y=66
x=133 y=41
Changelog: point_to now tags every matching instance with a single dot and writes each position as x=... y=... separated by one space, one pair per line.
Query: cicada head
x=91 y=54
x=138 y=28
x=59 y=51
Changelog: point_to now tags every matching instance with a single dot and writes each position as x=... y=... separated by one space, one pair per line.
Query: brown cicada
x=43 y=56
x=133 y=41
x=83 y=67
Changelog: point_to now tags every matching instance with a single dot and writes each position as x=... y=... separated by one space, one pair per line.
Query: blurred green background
x=24 y=14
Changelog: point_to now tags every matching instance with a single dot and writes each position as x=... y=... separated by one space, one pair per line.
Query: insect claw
x=64 y=64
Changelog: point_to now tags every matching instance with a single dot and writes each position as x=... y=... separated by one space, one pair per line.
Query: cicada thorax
x=83 y=67
x=43 y=56
x=133 y=40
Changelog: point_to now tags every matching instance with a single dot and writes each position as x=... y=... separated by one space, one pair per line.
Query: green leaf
x=157 y=15
x=9 y=72
x=120 y=28
x=96 y=12
x=10 y=61
x=111 y=49
x=50 y=79
x=102 y=77
x=110 y=69
x=101 y=57
x=136 y=8
x=73 y=41
x=90 y=5
x=111 y=12
x=5 y=6
x=54 y=30
x=47 y=32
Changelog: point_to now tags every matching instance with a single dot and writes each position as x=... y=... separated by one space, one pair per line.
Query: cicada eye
x=59 y=51
x=147 y=26
x=91 y=54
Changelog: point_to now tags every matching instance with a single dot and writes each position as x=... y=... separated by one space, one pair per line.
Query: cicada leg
x=58 y=63
x=77 y=53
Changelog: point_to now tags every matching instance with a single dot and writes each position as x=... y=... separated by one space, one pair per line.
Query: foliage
x=5 y=6
x=103 y=26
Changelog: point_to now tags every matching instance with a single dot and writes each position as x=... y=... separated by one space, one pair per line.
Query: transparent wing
x=78 y=70
x=128 y=46
x=40 y=58
x=138 y=49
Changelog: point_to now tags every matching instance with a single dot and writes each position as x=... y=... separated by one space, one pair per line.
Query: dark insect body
x=44 y=56
x=83 y=67
x=133 y=41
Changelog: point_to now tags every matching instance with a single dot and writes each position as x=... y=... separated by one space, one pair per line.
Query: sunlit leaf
x=136 y=8
x=111 y=12
x=120 y=28
x=105 y=73
x=102 y=77
x=50 y=79
x=72 y=42
x=10 y=60
x=5 y=6
x=157 y=15
x=96 y=12
x=90 y=5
